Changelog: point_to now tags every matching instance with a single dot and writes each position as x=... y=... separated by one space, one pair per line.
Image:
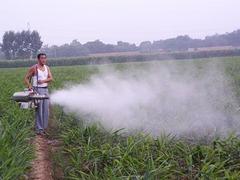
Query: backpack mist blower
x=28 y=98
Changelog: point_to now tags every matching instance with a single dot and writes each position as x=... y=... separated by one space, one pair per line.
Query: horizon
x=137 y=44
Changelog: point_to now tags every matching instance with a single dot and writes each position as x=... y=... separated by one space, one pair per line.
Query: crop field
x=15 y=129
x=89 y=151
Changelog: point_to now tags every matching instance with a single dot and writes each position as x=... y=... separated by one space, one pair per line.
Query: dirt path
x=42 y=165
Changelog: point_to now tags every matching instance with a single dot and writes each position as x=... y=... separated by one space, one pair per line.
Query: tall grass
x=91 y=152
x=15 y=129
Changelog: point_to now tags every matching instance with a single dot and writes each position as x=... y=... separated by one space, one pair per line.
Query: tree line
x=75 y=48
x=26 y=44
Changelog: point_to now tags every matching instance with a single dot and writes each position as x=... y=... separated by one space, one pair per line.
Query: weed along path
x=42 y=165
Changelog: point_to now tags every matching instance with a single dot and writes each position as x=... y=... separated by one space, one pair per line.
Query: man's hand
x=41 y=81
x=30 y=88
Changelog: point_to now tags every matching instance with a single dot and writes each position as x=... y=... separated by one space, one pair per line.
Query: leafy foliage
x=21 y=45
x=15 y=129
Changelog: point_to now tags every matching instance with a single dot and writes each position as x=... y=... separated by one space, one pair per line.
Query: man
x=40 y=75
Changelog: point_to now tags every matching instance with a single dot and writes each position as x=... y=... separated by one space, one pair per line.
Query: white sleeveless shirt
x=42 y=75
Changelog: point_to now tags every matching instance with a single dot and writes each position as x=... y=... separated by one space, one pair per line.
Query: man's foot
x=40 y=132
x=45 y=133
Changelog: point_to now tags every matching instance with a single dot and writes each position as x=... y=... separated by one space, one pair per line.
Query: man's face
x=42 y=59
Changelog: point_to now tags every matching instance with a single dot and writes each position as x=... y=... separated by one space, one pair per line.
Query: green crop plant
x=88 y=151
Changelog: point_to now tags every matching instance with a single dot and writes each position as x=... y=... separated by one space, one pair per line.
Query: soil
x=41 y=165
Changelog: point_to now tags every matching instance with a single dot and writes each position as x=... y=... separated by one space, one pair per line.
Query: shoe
x=39 y=132
x=45 y=133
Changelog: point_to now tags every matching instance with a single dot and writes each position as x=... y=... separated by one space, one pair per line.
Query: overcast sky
x=61 y=21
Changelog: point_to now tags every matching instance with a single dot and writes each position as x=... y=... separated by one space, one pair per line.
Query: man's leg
x=39 y=124
x=39 y=117
x=45 y=111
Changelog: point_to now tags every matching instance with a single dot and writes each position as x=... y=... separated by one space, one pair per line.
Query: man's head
x=42 y=58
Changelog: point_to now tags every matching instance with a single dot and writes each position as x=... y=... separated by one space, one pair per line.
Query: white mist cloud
x=160 y=98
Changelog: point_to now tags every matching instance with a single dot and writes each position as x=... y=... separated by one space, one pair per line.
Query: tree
x=8 y=45
x=96 y=46
x=36 y=43
x=21 y=45
x=1 y=53
x=145 y=46
x=75 y=48
x=125 y=46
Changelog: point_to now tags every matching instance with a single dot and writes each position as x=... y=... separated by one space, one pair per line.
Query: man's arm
x=28 y=76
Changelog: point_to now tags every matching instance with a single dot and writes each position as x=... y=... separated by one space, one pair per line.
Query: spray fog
x=156 y=98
